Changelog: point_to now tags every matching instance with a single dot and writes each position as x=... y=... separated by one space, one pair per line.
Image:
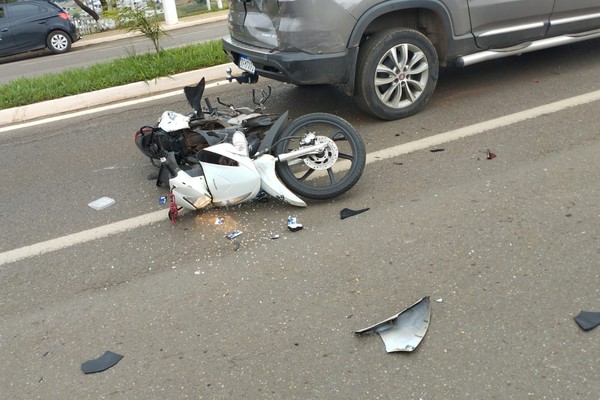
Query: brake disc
x=326 y=158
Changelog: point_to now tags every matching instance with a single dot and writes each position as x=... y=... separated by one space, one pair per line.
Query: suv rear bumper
x=294 y=67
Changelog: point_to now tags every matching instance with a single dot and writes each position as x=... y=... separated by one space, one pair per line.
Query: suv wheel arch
x=426 y=16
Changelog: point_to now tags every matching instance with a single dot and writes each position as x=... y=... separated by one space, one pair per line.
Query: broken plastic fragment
x=219 y=220
x=293 y=224
x=234 y=234
x=346 y=212
x=404 y=331
x=490 y=154
x=104 y=362
x=262 y=196
x=102 y=203
x=162 y=200
x=588 y=320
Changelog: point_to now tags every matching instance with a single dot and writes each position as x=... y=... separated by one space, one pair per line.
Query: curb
x=111 y=95
x=120 y=93
x=183 y=23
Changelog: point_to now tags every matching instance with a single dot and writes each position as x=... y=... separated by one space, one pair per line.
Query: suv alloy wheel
x=397 y=71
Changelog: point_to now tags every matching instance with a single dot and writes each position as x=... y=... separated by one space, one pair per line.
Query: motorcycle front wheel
x=330 y=173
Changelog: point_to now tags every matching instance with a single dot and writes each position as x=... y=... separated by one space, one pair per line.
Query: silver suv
x=387 y=53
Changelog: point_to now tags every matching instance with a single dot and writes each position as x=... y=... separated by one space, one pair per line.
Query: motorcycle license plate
x=247 y=65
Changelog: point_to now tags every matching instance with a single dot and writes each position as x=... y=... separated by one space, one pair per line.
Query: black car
x=33 y=25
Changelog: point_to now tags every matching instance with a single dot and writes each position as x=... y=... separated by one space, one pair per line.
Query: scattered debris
x=588 y=320
x=234 y=234
x=293 y=224
x=219 y=220
x=490 y=155
x=262 y=196
x=236 y=245
x=102 y=203
x=104 y=362
x=436 y=150
x=274 y=236
x=440 y=300
x=162 y=200
x=346 y=212
x=404 y=331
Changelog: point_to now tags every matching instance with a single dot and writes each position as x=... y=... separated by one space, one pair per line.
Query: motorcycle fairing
x=405 y=330
x=265 y=165
x=171 y=121
x=188 y=189
x=230 y=184
x=271 y=134
x=193 y=94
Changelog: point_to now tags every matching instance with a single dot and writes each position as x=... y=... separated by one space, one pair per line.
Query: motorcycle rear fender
x=265 y=165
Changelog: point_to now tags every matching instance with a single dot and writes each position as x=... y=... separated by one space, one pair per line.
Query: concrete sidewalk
x=127 y=92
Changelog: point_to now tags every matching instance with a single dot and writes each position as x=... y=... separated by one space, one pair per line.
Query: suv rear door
x=571 y=16
x=503 y=23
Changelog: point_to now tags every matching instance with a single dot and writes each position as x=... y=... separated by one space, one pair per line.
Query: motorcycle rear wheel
x=329 y=174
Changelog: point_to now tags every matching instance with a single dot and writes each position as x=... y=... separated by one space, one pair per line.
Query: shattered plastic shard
x=293 y=224
x=346 y=212
x=588 y=320
x=104 y=362
x=101 y=203
x=404 y=331
x=234 y=234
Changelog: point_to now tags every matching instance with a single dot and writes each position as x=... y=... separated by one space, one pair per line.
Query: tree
x=136 y=20
x=88 y=10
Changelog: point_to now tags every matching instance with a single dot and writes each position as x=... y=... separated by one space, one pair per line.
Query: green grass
x=135 y=68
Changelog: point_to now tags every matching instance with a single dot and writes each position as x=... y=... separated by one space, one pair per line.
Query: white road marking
x=436 y=140
x=481 y=127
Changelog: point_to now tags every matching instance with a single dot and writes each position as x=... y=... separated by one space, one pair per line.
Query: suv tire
x=397 y=71
x=58 y=42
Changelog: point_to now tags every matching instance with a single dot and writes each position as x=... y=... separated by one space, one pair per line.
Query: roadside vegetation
x=134 y=68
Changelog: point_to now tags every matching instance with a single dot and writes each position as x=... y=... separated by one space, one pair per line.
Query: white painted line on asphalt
x=481 y=127
x=81 y=237
x=436 y=140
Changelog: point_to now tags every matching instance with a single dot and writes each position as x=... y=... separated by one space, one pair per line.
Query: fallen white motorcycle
x=228 y=156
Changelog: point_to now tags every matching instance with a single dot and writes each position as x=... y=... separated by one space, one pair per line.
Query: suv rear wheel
x=58 y=42
x=396 y=74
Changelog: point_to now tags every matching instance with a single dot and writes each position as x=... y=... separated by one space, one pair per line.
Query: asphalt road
x=43 y=62
x=508 y=247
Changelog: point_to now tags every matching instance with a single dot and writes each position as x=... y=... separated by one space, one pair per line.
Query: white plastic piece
x=405 y=330
x=102 y=203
